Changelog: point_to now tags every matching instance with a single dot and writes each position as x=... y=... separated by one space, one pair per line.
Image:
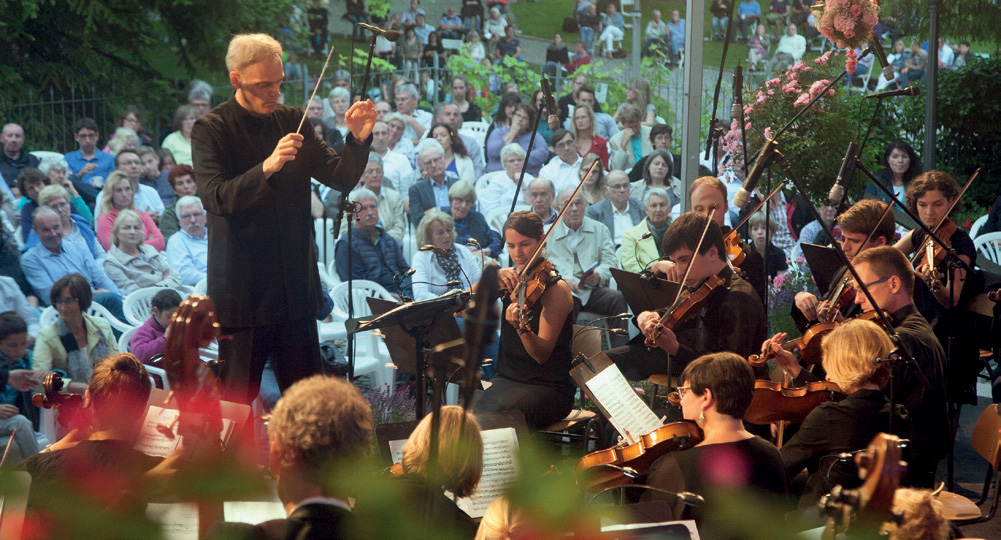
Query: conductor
x=253 y=173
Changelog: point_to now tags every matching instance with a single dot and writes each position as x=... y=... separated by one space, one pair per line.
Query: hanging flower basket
x=848 y=23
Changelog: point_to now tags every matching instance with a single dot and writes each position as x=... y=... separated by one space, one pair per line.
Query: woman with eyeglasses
x=716 y=390
x=74 y=342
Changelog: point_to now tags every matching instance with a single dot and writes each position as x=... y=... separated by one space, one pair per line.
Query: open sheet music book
x=153 y=443
x=630 y=416
x=500 y=469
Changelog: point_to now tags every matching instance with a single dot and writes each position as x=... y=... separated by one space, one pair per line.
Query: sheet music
x=396 y=450
x=153 y=443
x=631 y=417
x=178 y=521
x=252 y=512
x=500 y=470
x=667 y=529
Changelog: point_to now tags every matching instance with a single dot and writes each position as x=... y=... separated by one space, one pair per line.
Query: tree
x=958 y=19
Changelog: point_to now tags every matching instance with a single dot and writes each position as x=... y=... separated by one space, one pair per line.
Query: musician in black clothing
x=888 y=276
x=855 y=223
x=732 y=318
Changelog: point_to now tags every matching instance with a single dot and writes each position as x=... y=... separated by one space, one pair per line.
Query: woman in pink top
x=119 y=191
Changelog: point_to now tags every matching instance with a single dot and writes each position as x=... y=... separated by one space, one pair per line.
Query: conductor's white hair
x=247 y=49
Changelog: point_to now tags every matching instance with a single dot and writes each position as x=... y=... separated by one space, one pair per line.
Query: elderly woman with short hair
x=434 y=269
x=55 y=168
x=470 y=224
x=75 y=227
x=133 y=265
x=496 y=189
x=337 y=105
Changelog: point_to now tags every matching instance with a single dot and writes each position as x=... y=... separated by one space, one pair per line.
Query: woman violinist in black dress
x=533 y=368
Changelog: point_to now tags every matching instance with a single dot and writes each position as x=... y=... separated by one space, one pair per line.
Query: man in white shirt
x=945 y=54
x=187 y=249
x=578 y=243
x=417 y=121
x=790 y=50
x=563 y=170
x=395 y=166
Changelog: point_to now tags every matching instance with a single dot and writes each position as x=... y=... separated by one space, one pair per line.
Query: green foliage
x=511 y=70
x=378 y=8
x=957 y=19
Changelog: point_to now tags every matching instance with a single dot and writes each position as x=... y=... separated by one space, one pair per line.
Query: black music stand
x=644 y=293
x=824 y=264
x=411 y=329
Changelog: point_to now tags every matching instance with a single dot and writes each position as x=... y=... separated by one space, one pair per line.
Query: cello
x=862 y=512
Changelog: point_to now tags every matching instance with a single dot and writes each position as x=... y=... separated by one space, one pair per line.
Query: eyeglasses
x=620 y=187
x=681 y=390
x=60 y=301
x=565 y=144
x=870 y=284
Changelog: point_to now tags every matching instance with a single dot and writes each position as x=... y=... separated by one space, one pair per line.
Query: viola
x=734 y=247
x=775 y=402
x=685 y=308
x=396 y=469
x=602 y=469
x=808 y=345
x=72 y=411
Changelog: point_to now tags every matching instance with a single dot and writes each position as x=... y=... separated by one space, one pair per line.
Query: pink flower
x=870 y=19
x=823 y=59
x=773 y=82
x=849 y=33
x=800 y=260
x=791 y=88
x=803 y=99
x=747 y=126
x=856 y=10
x=779 y=280
x=761 y=100
x=768 y=132
x=818 y=86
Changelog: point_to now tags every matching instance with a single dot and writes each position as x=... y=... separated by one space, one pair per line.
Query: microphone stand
x=528 y=154
x=714 y=130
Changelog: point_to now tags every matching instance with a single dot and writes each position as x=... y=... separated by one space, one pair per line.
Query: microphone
x=473 y=242
x=738 y=89
x=437 y=250
x=551 y=108
x=877 y=49
x=909 y=91
x=446 y=253
x=743 y=195
x=636 y=252
x=837 y=192
x=390 y=35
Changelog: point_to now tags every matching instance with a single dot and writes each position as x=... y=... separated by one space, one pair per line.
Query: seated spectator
x=30 y=182
x=900 y=165
x=519 y=132
x=657 y=174
x=449 y=115
x=391 y=214
x=356 y=13
x=508 y=46
x=75 y=227
x=470 y=111
x=898 y=60
x=470 y=224
x=153 y=177
x=639 y=251
x=945 y=54
x=495 y=23
x=758 y=47
x=589 y=22
x=416 y=121
x=790 y=50
x=496 y=190
x=395 y=166
x=583 y=127
x=656 y=31
x=604 y=123
x=89 y=165
x=200 y=96
x=75 y=341
x=12 y=299
x=338 y=102
x=166 y=159
x=720 y=10
x=179 y=141
x=409 y=17
x=961 y=53
x=457 y=160
x=53 y=258
x=580 y=58
x=777 y=16
x=10 y=264
x=375 y=256
x=450 y=24
x=813 y=232
x=14 y=158
x=123 y=139
x=472 y=15
x=660 y=139
x=145 y=198
x=541 y=195
x=577 y=243
x=131 y=118
x=638 y=95
x=333 y=137
x=775 y=258
x=150 y=339
x=431 y=190
x=16 y=409
x=422 y=29
x=556 y=55
x=187 y=250
x=432 y=56
x=563 y=169
x=613 y=28
x=130 y=263
x=618 y=212
x=409 y=48
x=748 y=15
x=446 y=263
x=400 y=144
x=675 y=37
x=474 y=49
x=632 y=143
x=594 y=185
x=117 y=196
x=182 y=181
x=917 y=61
x=504 y=112
x=56 y=169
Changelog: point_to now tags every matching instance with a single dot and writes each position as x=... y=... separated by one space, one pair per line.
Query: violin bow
x=319 y=81
x=733 y=230
x=688 y=269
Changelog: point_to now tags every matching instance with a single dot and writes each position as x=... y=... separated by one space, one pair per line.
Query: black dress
x=964 y=360
x=544 y=392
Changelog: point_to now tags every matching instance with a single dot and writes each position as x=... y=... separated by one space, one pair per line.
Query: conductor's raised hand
x=361 y=118
x=285 y=151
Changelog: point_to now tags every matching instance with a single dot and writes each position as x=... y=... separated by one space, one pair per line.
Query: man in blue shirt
x=44 y=264
x=676 y=33
x=375 y=255
x=89 y=165
x=508 y=45
x=187 y=249
x=450 y=25
x=748 y=14
x=422 y=29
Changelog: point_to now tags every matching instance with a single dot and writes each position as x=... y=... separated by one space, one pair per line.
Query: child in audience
x=16 y=410
x=150 y=340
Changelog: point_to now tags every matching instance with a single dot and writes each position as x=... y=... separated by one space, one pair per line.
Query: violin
x=808 y=345
x=396 y=469
x=72 y=411
x=931 y=254
x=602 y=469
x=734 y=247
x=774 y=402
x=531 y=287
x=685 y=308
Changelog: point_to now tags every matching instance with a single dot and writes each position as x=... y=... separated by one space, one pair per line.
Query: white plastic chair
x=152 y=370
x=42 y=154
x=498 y=216
x=332 y=273
x=371 y=354
x=49 y=315
x=138 y=304
x=125 y=340
x=324 y=276
x=990 y=245
x=975 y=229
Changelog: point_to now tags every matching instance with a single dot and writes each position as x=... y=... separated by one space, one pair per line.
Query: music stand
x=411 y=329
x=824 y=263
x=643 y=293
